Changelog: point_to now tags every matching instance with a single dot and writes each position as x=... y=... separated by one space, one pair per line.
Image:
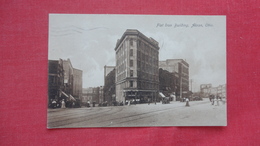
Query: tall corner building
x=137 y=72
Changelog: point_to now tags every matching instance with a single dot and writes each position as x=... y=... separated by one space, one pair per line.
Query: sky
x=89 y=42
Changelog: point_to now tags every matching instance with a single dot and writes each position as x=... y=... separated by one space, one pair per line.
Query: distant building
x=205 y=90
x=181 y=70
x=95 y=95
x=87 y=95
x=213 y=91
x=92 y=94
x=101 y=94
x=137 y=72
x=221 y=91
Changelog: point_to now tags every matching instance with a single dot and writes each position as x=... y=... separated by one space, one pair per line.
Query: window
x=131 y=73
x=139 y=64
x=131 y=42
x=131 y=52
x=131 y=83
x=131 y=63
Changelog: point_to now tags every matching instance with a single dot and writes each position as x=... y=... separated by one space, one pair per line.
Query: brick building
x=77 y=83
x=55 y=79
x=109 y=86
x=180 y=69
x=72 y=80
x=65 y=82
x=169 y=83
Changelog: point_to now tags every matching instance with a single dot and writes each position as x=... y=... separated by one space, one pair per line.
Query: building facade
x=109 y=89
x=87 y=95
x=101 y=94
x=65 y=82
x=169 y=83
x=137 y=74
x=77 y=83
x=72 y=80
x=221 y=91
x=205 y=90
x=180 y=68
x=55 y=79
x=107 y=70
x=92 y=94
x=68 y=76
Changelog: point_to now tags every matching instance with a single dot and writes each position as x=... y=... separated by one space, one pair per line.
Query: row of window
x=185 y=70
x=147 y=58
x=147 y=76
x=143 y=85
x=146 y=85
x=148 y=50
x=120 y=55
x=145 y=67
x=153 y=69
x=121 y=68
x=55 y=80
x=121 y=76
x=140 y=74
x=120 y=60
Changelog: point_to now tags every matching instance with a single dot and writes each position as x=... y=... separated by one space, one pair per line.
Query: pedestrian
x=217 y=101
x=128 y=102
x=213 y=100
x=88 y=104
x=54 y=103
x=63 y=104
x=187 y=102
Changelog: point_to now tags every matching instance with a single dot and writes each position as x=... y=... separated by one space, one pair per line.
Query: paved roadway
x=200 y=113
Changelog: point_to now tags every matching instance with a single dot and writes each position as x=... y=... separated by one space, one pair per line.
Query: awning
x=72 y=98
x=64 y=94
x=160 y=93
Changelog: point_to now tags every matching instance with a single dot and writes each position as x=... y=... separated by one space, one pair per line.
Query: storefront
x=140 y=96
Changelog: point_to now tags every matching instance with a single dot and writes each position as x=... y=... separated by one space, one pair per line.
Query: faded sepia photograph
x=136 y=70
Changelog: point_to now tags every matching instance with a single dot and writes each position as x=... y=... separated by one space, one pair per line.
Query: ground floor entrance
x=140 y=96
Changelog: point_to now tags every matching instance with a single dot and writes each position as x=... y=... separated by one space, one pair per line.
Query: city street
x=199 y=113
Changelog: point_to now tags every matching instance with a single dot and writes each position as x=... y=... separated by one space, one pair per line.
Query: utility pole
x=191 y=84
x=180 y=82
x=191 y=88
